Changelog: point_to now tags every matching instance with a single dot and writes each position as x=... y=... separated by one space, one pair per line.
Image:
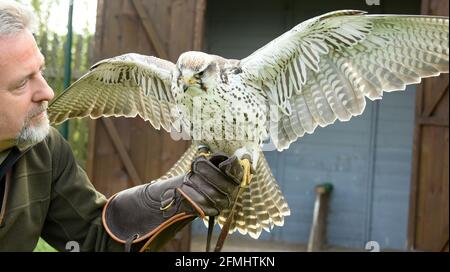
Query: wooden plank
x=90 y=52
x=415 y=172
x=110 y=169
x=173 y=150
x=90 y=162
x=111 y=37
x=435 y=7
x=146 y=149
x=160 y=13
x=127 y=29
x=180 y=42
x=150 y=30
x=147 y=145
x=415 y=166
x=433 y=121
x=124 y=40
x=141 y=146
x=91 y=149
x=106 y=181
x=182 y=33
x=442 y=109
x=432 y=215
x=200 y=9
x=428 y=213
x=134 y=148
x=109 y=174
x=134 y=177
x=442 y=89
x=99 y=29
x=182 y=26
x=445 y=247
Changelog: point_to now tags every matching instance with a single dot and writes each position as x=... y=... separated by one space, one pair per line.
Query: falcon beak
x=188 y=83
x=185 y=87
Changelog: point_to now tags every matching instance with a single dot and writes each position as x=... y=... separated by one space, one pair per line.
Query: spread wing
x=126 y=85
x=321 y=70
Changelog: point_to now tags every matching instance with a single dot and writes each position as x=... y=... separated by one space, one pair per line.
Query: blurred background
x=380 y=179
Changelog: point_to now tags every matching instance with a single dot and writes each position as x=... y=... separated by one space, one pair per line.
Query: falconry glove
x=145 y=217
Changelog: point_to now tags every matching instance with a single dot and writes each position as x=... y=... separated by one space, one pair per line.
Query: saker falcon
x=316 y=73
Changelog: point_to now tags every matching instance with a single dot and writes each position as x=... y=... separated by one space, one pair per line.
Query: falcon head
x=196 y=73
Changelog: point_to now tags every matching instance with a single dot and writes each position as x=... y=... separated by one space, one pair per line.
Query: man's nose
x=43 y=91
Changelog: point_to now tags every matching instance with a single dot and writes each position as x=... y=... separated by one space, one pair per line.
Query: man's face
x=24 y=93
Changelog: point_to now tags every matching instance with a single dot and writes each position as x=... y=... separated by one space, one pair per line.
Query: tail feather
x=240 y=222
x=262 y=217
x=261 y=205
x=252 y=222
x=275 y=203
x=274 y=210
x=250 y=219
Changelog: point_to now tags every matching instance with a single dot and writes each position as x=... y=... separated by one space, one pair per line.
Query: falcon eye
x=200 y=74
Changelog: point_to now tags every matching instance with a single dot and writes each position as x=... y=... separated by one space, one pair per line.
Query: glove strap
x=226 y=226
x=129 y=242
x=156 y=241
x=211 y=220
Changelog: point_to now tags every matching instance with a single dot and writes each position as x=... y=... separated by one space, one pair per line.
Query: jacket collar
x=6 y=145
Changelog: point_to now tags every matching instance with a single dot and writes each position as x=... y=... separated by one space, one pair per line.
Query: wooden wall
x=126 y=152
x=429 y=205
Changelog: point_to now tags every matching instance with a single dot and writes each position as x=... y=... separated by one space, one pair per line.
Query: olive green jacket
x=51 y=196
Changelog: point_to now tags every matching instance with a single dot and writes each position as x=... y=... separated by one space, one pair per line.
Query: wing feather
x=126 y=85
x=321 y=70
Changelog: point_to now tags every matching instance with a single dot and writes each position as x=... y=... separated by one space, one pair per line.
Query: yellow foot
x=247 y=177
x=204 y=151
x=205 y=154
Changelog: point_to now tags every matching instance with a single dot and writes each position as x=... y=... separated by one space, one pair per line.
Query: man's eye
x=22 y=84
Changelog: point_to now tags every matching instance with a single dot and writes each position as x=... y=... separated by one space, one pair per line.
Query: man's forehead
x=20 y=48
x=19 y=58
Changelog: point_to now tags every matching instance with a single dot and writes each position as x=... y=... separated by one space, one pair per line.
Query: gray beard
x=32 y=134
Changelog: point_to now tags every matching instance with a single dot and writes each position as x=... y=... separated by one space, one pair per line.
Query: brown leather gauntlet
x=149 y=215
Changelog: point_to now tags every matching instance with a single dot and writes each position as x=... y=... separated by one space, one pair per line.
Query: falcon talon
x=247 y=177
x=205 y=154
x=203 y=150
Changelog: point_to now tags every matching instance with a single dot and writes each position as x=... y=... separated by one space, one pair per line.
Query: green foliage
x=42 y=246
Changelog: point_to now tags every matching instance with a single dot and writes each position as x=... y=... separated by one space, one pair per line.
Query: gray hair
x=15 y=17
